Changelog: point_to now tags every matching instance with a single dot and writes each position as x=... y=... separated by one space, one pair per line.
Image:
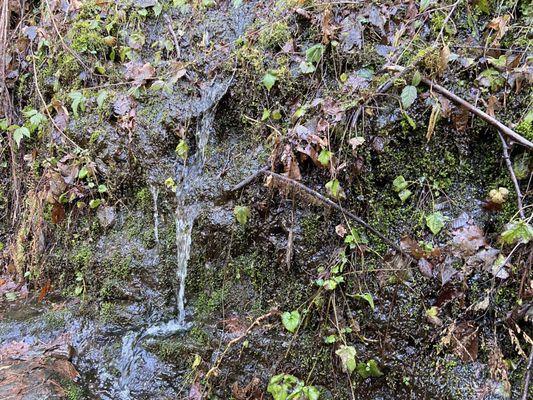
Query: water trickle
x=155 y=194
x=186 y=212
x=127 y=363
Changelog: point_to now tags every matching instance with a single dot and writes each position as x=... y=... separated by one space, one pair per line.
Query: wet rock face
x=36 y=371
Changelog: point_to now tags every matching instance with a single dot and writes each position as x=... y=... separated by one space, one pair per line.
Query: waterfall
x=189 y=177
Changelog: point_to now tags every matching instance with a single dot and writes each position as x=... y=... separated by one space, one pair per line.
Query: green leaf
x=347 y=356
x=517 y=232
x=399 y=183
x=314 y=53
x=242 y=213
x=266 y=114
x=307 y=67
x=324 y=157
x=369 y=369
x=237 y=3
x=102 y=96
x=19 y=133
x=83 y=172
x=3 y=124
x=102 y=188
x=408 y=96
x=78 y=290
x=95 y=203
x=404 y=195
x=290 y=320
x=416 y=78
x=157 y=9
x=368 y=297
x=276 y=115
x=269 y=79
x=435 y=222
x=311 y=392
x=171 y=184
x=410 y=120
x=424 y=4
x=330 y=339
x=182 y=149
x=334 y=189
x=78 y=101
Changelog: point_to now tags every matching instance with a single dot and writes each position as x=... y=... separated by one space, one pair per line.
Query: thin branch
x=507 y=159
x=257 y=321
x=174 y=37
x=474 y=110
x=324 y=200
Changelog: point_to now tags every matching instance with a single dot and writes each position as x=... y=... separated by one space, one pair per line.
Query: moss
x=274 y=35
x=525 y=128
x=143 y=198
x=108 y=312
x=73 y=391
x=82 y=255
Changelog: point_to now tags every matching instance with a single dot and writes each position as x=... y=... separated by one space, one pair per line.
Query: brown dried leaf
x=139 y=73
x=468 y=239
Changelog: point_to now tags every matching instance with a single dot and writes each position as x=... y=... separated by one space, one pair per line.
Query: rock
x=106 y=216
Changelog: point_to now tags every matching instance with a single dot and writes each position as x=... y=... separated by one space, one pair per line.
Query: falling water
x=155 y=194
x=185 y=212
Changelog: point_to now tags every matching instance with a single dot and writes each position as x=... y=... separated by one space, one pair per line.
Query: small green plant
x=288 y=387
x=242 y=214
x=291 y=320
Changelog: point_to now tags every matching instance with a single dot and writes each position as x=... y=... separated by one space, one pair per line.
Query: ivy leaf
x=435 y=222
x=102 y=96
x=334 y=189
x=19 y=133
x=307 y=68
x=242 y=213
x=369 y=369
x=311 y=392
x=290 y=320
x=408 y=96
x=404 y=195
x=324 y=157
x=95 y=203
x=517 y=232
x=399 y=183
x=368 y=297
x=83 y=172
x=182 y=149
x=314 y=53
x=347 y=356
x=269 y=79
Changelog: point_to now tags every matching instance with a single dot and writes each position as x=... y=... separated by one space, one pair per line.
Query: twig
x=323 y=200
x=174 y=37
x=257 y=321
x=474 y=110
x=41 y=97
x=527 y=376
x=248 y=180
x=507 y=159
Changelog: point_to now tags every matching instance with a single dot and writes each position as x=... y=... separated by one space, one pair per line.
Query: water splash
x=155 y=194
